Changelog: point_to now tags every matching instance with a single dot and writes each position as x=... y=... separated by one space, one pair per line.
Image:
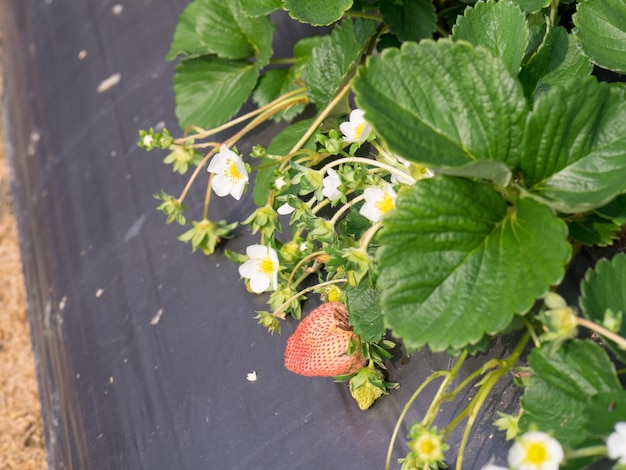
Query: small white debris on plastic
x=33 y=140
x=251 y=376
x=155 y=319
x=82 y=54
x=108 y=83
x=111 y=380
x=99 y=292
x=117 y=9
x=62 y=303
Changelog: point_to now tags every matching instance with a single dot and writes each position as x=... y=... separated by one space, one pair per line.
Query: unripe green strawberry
x=318 y=346
x=367 y=386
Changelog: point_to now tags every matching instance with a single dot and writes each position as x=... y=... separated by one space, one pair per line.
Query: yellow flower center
x=428 y=448
x=267 y=266
x=358 y=130
x=232 y=171
x=385 y=203
x=536 y=453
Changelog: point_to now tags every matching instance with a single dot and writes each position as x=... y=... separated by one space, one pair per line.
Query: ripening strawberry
x=318 y=346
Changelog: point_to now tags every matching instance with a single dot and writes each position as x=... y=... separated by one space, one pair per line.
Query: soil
x=21 y=435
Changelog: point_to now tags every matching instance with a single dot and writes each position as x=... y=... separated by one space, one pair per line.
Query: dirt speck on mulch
x=21 y=435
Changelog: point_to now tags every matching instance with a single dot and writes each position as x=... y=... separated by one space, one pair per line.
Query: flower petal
x=285 y=209
x=369 y=211
x=221 y=185
x=257 y=251
x=248 y=269
x=238 y=188
x=217 y=164
x=259 y=283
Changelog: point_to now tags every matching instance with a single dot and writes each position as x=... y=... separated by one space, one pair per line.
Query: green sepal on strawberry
x=368 y=385
x=324 y=344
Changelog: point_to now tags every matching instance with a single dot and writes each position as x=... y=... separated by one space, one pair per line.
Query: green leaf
x=277 y=82
x=601 y=30
x=210 y=90
x=366 y=316
x=561 y=386
x=280 y=145
x=334 y=58
x=499 y=27
x=537 y=27
x=222 y=28
x=615 y=210
x=260 y=7
x=270 y=86
x=602 y=289
x=453 y=257
x=354 y=225
x=593 y=230
x=532 y=6
x=443 y=104
x=410 y=20
x=604 y=410
x=491 y=170
x=273 y=84
x=317 y=12
x=557 y=60
x=575 y=146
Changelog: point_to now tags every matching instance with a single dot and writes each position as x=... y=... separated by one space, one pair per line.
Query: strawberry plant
x=439 y=165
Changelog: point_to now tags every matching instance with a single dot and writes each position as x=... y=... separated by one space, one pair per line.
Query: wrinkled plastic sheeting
x=142 y=347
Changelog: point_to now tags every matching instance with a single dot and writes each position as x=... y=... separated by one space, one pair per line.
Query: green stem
x=554 y=7
x=261 y=118
x=195 y=173
x=368 y=161
x=280 y=309
x=532 y=332
x=318 y=207
x=405 y=410
x=621 y=371
x=345 y=208
x=323 y=115
x=284 y=61
x=207 y=197
x=621 y=342
x=433 y=409
x=595 y=451
x=245 y=117
x=365 y=16
x=477 y=402
x=300 y=263
x=450 y=396
x=367 y=236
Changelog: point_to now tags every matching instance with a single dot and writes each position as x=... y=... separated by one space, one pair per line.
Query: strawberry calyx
x=367 y=385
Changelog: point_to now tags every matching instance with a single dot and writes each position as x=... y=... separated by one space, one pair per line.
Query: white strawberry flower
x=428 y=448
x=356 y=129
x=616 y=443
x=378 y=201
x=230 y=171
x=285 y=209
x=331 y=182
x=535 y=450
x=261 y=269
x=422 y=172
x=280 y=183
x=147 y=140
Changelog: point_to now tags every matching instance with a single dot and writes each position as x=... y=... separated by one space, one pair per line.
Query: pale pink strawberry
x=318 y=346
